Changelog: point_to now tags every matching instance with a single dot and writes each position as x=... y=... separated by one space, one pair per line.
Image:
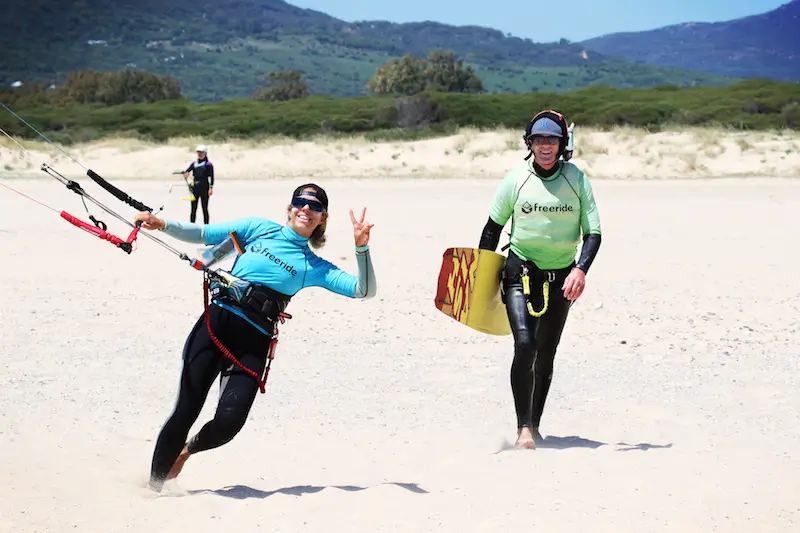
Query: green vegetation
x=220 y=49
x=439 y=72
x=282 y=86
x=751 y=104
x=101 y=87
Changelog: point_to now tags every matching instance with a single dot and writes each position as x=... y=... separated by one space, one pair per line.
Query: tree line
x=127 y=86
x=409 y=95
x=747 y=105
x=440 y=71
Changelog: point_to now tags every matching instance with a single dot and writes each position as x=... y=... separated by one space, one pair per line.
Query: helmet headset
x=565 y=144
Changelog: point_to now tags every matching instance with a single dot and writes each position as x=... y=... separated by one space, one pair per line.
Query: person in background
x=202 y=182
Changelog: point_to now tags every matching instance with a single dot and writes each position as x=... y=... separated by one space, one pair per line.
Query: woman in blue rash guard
x=277 y=260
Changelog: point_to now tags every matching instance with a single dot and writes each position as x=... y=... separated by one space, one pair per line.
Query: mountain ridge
x=765 y=45
x=220 y=49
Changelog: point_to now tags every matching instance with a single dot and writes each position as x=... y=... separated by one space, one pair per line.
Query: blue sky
x=580 y=19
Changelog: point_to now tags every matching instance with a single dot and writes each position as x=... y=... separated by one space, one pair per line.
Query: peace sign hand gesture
x=361 y=228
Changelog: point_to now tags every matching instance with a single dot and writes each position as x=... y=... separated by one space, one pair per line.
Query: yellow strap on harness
x=526 y=290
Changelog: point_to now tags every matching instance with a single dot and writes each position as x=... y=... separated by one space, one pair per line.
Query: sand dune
x=623 y=153
x=673 y=408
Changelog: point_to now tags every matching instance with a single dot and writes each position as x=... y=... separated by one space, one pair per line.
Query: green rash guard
x=549 y=215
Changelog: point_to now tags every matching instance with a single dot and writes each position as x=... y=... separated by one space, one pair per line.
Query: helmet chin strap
x=530 y=149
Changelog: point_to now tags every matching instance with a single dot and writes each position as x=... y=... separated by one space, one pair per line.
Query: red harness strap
x=262 y=383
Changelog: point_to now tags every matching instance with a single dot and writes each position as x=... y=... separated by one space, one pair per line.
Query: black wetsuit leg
x=535 y=339
x=201 y=196
x=204 y=198
x=193 y=208
x=202 y=363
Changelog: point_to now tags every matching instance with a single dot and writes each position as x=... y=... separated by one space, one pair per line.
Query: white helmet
x=201 y=148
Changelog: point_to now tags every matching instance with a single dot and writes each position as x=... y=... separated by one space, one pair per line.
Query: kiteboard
x=468 y=289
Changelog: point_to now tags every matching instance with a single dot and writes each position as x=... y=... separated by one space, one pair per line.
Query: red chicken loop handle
x=125 y=245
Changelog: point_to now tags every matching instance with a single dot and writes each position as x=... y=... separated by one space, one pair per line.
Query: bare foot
x=179 y=462
x=155 y=486
x=525 y=439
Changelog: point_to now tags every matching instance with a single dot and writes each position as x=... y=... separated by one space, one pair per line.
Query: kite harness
x=217 y=280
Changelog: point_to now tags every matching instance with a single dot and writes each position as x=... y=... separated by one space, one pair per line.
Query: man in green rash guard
x=551 y=206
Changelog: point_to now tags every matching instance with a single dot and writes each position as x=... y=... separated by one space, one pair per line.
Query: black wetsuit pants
x=202 y=363
x=535 y=339
x=200 y=192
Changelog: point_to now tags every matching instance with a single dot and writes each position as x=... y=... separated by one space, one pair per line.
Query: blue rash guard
x=279 y=258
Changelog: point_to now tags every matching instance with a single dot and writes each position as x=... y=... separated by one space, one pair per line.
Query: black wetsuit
x=203 y=172
x=277 y=263
x=202 y=363
x=535 y=339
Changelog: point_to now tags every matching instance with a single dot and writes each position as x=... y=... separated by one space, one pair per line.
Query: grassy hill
x=764 y=46
x=220 y=49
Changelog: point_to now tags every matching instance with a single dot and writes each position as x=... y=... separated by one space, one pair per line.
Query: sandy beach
x=674 y=403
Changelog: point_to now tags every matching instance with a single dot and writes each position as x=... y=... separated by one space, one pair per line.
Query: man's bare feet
x=525 y=439
x=155 y=485
x=179 y=462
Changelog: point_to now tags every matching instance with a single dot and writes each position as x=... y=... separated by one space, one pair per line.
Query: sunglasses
x=538 y=139
x=300 y=203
